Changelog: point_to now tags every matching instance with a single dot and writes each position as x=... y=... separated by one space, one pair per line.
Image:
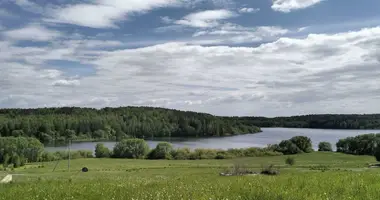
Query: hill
x=58 y=124
x=323 y=121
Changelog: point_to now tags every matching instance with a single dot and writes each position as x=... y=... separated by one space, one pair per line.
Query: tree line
x=327 y=121
x=20 y=150
x=60 y=124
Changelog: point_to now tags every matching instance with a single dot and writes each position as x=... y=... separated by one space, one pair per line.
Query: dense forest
x=59 y=124
x=370 y=121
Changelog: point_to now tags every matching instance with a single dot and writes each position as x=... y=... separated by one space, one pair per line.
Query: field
x=315 y=176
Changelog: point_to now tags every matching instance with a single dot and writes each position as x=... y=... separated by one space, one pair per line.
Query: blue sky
x=226 y=57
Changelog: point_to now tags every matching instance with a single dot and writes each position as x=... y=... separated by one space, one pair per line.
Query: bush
x=270 y=170
x=290 y=161
x=16 y=161
x=48 y=157
x=131 y=148
x=359 y=145
x=200 y=154
x=303 y=143
x=377 y=153
x=181 y=154
x=288 y=147
x=102 y=151
x=162 y=151
x=324 y=146
x=30 y=148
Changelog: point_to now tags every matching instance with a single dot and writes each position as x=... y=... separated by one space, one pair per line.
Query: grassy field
x=342 y=177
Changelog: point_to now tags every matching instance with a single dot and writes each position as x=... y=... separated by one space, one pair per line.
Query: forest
x=325 y=121
x=114 y=124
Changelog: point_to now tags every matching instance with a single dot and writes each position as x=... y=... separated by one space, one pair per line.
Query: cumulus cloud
x=291 y=5
x=66 y=83
x=321 y=73
x=205 y=19
x=249 y=10
x=107 y=13
x=32 y=32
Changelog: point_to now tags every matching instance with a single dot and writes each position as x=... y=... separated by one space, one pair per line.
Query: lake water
x=268 y=136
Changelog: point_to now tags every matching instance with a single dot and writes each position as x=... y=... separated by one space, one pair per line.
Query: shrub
x=290 y=161
x=162 y=151
x=270 y=170
x=181 y=154
x=200 y=154
x=131 y=148
x=303 y=143
x=288 y=147
x=48 y=156
x=16 y=161
x=324 y=146
x=102 y=151
x=377 y=153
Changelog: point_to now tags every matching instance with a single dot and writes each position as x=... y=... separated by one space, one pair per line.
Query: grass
x=342 y=177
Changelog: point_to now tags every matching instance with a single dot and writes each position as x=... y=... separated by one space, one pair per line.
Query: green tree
x=15 y=160
x=377 y=153
x=101 y=151
x=324 y=146
x=162 y=151
x=303 y=143
x=131 y=148
x=288 y=147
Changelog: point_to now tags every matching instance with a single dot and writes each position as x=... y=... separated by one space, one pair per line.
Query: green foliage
x=163 y=150
x=102 y=151
x=325 y=146
x=360 y=145
x=15 y=160
x=181 y=154
x=29 y=148
x=290 y=161
x=131 y=148
x=296 y=145
x=64 y=155
x=288 y=147
x=6 y=160
x=303 y=143
x=370 y=121
x=377 y=153
x=61 y=124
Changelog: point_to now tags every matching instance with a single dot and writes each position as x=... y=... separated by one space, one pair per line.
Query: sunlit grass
x=166 y=179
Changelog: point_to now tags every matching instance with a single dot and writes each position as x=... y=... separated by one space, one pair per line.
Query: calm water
x=268 y=136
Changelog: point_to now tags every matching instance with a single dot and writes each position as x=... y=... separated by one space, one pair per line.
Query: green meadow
x=314 y=176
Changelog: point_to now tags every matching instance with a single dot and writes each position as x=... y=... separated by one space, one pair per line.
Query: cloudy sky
x=225 y=57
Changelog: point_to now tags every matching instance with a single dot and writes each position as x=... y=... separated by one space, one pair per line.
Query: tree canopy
x=325 y=121
x=60 y=124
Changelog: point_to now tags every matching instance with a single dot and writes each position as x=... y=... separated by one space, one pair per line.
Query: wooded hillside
x=58 y=124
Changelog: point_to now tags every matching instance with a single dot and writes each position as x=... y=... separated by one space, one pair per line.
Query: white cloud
x=66 y=83
x=321 y=73
x=232 y=33
x=32 y=32
x=166 y=20
x=105 y=13
x=205 y=19
x=249 y=10
x=291 y=5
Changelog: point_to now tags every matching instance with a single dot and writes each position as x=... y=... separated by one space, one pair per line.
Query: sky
x=224 y=57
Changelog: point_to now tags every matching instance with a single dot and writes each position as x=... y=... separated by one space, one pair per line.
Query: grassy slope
x=144 y=179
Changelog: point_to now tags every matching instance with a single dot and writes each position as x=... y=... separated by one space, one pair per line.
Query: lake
x=268 y=136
